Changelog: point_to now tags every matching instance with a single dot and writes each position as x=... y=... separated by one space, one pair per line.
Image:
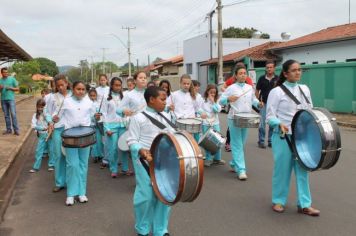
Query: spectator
x=8 y=87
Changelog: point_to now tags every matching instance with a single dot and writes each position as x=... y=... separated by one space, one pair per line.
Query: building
x=10 y=51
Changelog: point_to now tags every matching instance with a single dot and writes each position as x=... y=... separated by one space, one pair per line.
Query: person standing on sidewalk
x=8 y=87
x=264 y=85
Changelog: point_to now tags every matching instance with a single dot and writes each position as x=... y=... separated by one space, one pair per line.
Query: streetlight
x=126 y=47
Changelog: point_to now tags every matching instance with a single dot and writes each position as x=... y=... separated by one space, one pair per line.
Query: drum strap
x=291 y=96
x=158 y=123
x=290 y=145
x=168 y=121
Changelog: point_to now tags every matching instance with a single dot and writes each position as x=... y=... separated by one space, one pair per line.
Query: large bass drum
x=177 y=167
x=78 y=137
x=316 y=139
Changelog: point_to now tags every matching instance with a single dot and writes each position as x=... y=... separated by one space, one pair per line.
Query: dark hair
x=4 y=68
x=270 y=62
x=112 y=81
x=92 y=90
x=285 y=67
x=45 y=90
x=76 y=83
x=208 y=88
x=137 y=73
x=59 y=77
x=195 y=83
x=130 y=80
x=239 y=67
x=169 y=86
x=191 y=89
x=40 y=102
x=151 y=83
x=103 y=75
x=152 y=91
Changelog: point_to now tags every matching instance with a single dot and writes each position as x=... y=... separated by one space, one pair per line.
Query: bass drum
x=316 y=139
x=177 y=167
x=122 y=142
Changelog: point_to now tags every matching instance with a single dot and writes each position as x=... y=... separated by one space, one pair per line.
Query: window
x=302 y=63
x=315 y=62
x=351 y=60
x=189 y=68
x=331 y=61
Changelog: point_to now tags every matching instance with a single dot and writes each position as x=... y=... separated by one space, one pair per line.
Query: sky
x=68 y=31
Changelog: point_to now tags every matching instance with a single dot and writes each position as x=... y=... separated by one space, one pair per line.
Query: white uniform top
x=109 y=109
x=53 y=106
x=134 y=100
x=47 y=96
x=244 y=103
x=184 y=105
x=102 y=92
x=77 y=112
x=142 y=131
x=280 y=106
x=212 y=111
x=39 y=123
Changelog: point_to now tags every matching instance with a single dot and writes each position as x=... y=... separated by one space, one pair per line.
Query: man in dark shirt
x=264 y=85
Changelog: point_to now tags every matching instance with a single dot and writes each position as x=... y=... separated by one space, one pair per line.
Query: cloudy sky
x=67 y=31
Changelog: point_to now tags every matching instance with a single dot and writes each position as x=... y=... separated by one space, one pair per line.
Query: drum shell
x=122 y=142
x=191 y=128
x=191 y=167
x=330 y=137
x=78 y=141
x=246 y=122
x=212 y=140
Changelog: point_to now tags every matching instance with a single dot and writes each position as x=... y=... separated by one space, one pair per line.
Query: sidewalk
x=11 y=144
x=347 y=120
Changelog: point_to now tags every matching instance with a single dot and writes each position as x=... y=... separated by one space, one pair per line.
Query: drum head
x=166 y=168
x=189 y=121
x=122 y=142
x=307 y=139
x=77 y=132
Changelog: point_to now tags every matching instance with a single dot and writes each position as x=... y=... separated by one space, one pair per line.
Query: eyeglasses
x=295 y=70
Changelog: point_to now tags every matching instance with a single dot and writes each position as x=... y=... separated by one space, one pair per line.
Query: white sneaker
x=50 y=169
x=32 y=171
x=83 y=199
x=70 y=201
x=242 y=176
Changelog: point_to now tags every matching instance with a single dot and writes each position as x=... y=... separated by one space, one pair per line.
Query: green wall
x=333 y=85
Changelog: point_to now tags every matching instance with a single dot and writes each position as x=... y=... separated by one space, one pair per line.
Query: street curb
x=344 y=124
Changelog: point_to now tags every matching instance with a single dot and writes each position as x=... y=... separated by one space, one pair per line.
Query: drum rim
x=78 y=136
x=322 y=136
x=181 y=169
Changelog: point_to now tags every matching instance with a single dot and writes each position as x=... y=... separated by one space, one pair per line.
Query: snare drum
x=316 y=139
x=212 y=140
x=246 y=120
x=191 y=125
x=122 y=142
x=177 y=167
x=78 y=137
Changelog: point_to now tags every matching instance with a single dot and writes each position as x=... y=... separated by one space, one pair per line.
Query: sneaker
x=83 y=199
x=270 y=145
x=103 y=165
x=219 y=162
x=70 y=201
x=57 y=189
x=16 y=133
x=50 y=169
x=261 y=145
x=113 y=175
x=6 y=132
x=208 y=163
x=242 y=176
x=32 y=171
x=95 y=160
x=227 y=148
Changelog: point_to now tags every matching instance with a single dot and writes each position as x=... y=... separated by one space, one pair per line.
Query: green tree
x=24 y=72
x=233 y=32
x=47 y=66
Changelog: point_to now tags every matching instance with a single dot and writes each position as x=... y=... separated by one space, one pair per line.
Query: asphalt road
x=226 y=206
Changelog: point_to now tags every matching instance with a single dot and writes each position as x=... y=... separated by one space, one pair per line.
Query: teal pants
x=97 y=150
x=208 y=155
x=51 y=156
x=77 y=171
x=150 y=213
x=196 y=137
x=60 y=162
x=283 y=166
x=41 y=145
x=114 y=152
x=238 y=137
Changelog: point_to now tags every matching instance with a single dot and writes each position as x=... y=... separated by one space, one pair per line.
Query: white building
x=197 y=50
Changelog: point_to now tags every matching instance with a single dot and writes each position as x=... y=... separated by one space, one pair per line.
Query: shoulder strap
x=305 y=97
x=168 y=121
x=154 y=121
x=289 y=94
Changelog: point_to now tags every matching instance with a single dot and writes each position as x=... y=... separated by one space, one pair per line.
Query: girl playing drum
x=280 y=112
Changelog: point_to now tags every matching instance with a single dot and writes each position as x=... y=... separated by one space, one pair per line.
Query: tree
x=24 y=72
x=47 y=66
x=158 y=59
x=233 y=32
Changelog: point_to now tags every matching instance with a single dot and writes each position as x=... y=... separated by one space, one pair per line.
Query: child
x=114 y=127
x=166 y=86
x=150 y=213
x=40 y=125
x=56 y=126
x=130 y=83
x=97 y=148
x=78 y=110
x=210 y=114
x=44 y=92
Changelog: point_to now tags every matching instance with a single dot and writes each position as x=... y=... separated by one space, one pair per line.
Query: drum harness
x=291 y=96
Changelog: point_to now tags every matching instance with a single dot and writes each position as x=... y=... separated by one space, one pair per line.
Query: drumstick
x=173 y=105
x=243 y=93
x=101 y=103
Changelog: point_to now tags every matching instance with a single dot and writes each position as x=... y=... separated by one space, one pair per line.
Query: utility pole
x=136 y=64
x=129 y=46
x=103 y=66
x=92 y=69
x=220 y=46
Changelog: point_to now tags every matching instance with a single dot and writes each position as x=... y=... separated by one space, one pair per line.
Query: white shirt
x=134 y=100
x=184 y=105
x=243 y=103
x=213 y=117
x=142 y=131
x=280 y=106
x=40 y=122
x=77 y=112
x=109 y=109
x=54 y=106
x=103 y=92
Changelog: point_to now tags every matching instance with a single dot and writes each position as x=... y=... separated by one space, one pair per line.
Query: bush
x=23 y=89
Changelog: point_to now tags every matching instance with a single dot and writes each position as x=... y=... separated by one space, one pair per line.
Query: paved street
x=226 y=205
